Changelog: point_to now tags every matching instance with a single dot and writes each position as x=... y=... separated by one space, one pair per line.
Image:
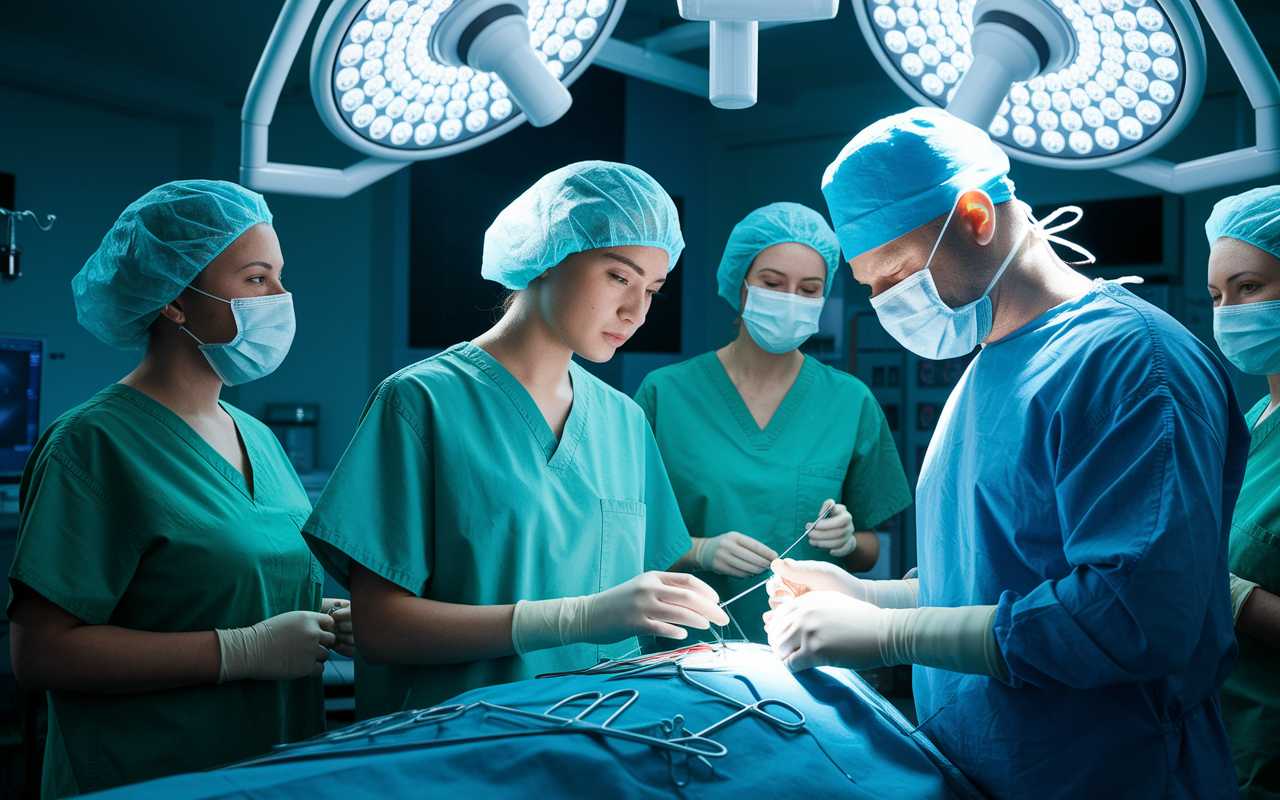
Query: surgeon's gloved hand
x=792 y=579
x=832 y=629
x=654 y=603
x=340 y=610
x=287 y=646
x=734 y=554
x=1240 y=591
x=835 y=533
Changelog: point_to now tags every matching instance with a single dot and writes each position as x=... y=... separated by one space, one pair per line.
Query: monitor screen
x=20 y=361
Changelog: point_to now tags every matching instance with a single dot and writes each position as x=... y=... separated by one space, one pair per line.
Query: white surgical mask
x=780 y=321
x=264 y=332
x=914 y=314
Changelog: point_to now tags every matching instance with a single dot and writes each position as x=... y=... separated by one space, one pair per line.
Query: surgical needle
x=807 y=529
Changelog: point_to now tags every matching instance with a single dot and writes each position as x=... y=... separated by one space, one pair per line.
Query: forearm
x=106 y=659
x=866 y=554
x=1260 y=616
x=394 y=626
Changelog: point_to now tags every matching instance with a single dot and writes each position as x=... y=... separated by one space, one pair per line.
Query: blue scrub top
x=1083 y=477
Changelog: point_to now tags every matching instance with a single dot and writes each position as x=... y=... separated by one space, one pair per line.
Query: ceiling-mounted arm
x=256 y=172
x=1263 y=90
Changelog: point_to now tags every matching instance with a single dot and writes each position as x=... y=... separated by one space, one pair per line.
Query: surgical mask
x=1249 y=335
x=914 y=314
x=264 y=331
x=780 y=321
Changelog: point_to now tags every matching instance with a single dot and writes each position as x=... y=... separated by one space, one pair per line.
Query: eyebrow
x=629 y=263
x=255 y=264
x=783 y=274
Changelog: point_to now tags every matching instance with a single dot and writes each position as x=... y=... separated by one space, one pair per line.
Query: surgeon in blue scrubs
x=1071 y=618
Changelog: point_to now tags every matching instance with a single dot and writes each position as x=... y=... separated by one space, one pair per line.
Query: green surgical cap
x=1252 y=217
x=905 y=170
x=156 y=248
x=580 y=207
x=774 y=224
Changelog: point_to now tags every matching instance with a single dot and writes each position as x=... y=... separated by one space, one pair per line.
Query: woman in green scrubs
x=161 y=591
x=759 y=438
x=1244 y=281
x=501 y=513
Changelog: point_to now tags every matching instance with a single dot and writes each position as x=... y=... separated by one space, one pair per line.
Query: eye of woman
x=1246 y=288
x=618 y=278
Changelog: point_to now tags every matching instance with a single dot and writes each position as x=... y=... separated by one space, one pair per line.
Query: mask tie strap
x=1046 y=231
x=950 y=214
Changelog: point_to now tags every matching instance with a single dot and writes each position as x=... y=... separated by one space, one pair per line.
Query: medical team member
x=1244 y=281
x=161 y=591
x=757 y=435
x=1074 y=617
x=500 y=512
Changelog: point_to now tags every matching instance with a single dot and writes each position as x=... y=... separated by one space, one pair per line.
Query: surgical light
x=1066 y=83
x=405 y=80
x=735 y=28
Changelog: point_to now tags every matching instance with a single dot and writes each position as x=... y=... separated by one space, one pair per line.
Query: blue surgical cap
x=1252 y=217
x=774 y=224
x=905 y=170
x=156 y=248
x=575 y=208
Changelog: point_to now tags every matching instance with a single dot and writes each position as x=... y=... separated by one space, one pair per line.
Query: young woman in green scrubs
x=161 y=591
x=1244 y=281
x=500 y=512
x=759 y=438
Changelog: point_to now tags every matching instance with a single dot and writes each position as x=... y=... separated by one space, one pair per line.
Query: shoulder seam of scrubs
x=393 y=401
x=57 y=452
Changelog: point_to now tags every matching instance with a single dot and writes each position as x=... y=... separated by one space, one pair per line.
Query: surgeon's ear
x=977 y=215
x=173 y=311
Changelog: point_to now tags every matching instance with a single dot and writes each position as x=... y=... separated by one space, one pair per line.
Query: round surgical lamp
x=1084 y=84
x=413 y=80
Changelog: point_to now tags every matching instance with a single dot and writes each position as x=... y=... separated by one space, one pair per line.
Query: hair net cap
x=1252 y=217
x=774 y=224
x=156 y=248
x=905 y=170
x=580 y=207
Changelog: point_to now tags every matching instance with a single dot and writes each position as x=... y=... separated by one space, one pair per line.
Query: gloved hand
x=832 y=629
x=733 y=553
x=793 y=578
x=287 y=646
x=653 y=603
x=1240 y=590
x=340 y=610
x=835 y=533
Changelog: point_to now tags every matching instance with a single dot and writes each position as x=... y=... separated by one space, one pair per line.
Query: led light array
x=1122 y=87
x=390 y=90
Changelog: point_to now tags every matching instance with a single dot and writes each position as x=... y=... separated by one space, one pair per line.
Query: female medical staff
x=161 y=591
x=498 y=508
x=757 y=435
x=1244 y=280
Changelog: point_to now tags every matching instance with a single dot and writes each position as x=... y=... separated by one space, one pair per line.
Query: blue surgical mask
x=1249 y=335
x=264 y=332
x=780 y=321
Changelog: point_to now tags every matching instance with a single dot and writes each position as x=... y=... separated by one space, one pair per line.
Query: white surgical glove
x=653 y=603
x=835 y=533
x=1240 y=589
x=287 y=646
x=340 y=610
x=732 y=553
x=832 y=629
x=793 y=578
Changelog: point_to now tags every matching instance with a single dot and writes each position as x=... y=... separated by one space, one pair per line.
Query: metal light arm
x=1263 y=90
x=256 y=172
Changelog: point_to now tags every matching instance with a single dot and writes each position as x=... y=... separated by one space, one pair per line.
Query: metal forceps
x=807 y=529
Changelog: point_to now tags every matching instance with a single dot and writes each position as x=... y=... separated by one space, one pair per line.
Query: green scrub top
x=1251 y=695
x=456 y=489
x=828 y=439
x=130 y=518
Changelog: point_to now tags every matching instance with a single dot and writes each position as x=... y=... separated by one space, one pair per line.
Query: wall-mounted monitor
x=21 y=362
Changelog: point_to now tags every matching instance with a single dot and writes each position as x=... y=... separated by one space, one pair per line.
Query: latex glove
x=1240 y=589
x=793 y=578
x=656 y=603
x=287 y=646
x=734 y=554
x=340 y=610
x=828 y=628
x=835 y=533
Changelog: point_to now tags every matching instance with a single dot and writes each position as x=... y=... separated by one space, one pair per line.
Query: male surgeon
x=1071 y=619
